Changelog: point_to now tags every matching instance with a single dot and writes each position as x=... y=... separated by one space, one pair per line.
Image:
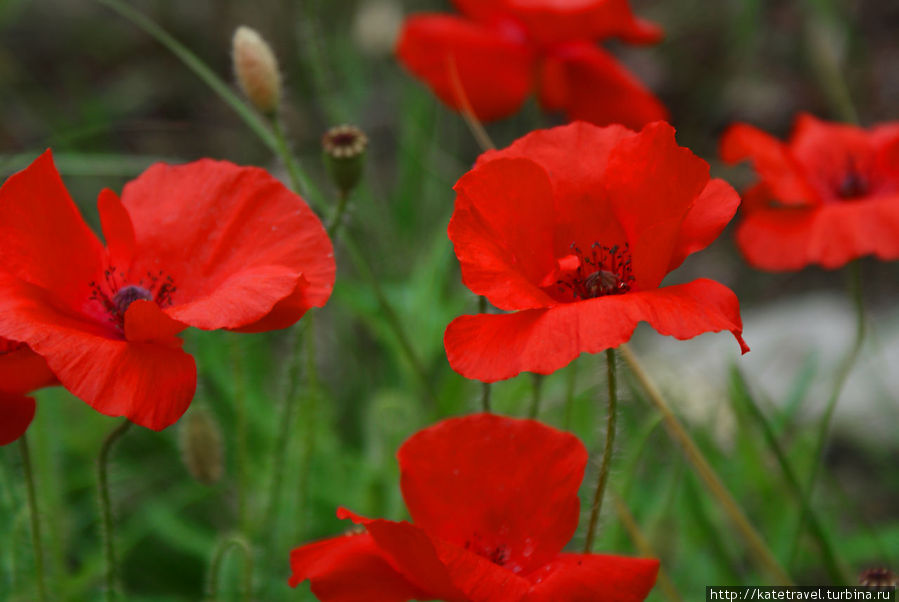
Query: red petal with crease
x=494 y=67
x=651 y=184
x=496 y=347
x=498 y=229
x=16 y=413
x=22 y=370
x=587 y=83
x=45 y=241
x=234 y=240
x=554 y=21
x=148 y=383
x=350 y=568
x=593 y=578
x=710 y=213
x=787 y=239
x=484 y=496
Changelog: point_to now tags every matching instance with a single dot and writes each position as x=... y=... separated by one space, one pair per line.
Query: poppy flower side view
x=487 y=525
x=828 y=195
x=207 y=244
x=572 y=231
x=21 y=372
x=498 y=51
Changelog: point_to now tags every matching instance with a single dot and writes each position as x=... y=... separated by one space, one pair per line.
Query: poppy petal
x=554 y=21
x=493 y=66
x=710 y=213
x=286 y=311
x=117 y=230
x=248 y=239
x=145 y=322
x=496 y=347
x=350 y=568
x=587 y=83
x=148 y=383
x=652 y=184
x=45 y=241
x=16 y=413
x=23 y=371
x=470 y=481
x=497 y=230
x=787 y=239
x=593 y=578
x=446 y=571
x=772 y=160
x=412 y=552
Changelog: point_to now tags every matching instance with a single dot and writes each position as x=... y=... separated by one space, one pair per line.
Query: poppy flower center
x=498 y=555
x=853 y=185
x=116 y=297
x=601 y=272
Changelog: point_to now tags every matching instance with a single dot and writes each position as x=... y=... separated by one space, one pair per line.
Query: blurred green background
x=110 y=100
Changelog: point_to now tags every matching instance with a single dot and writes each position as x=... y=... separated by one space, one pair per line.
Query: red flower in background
x=827 y=196
x=573 y=229
x=498 y=51
x=21 y=371
x=208 y=244
x=493 y=501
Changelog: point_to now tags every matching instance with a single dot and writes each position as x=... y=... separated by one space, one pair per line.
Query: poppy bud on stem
x=344 y=147
x=201 y=446
x=256 y=69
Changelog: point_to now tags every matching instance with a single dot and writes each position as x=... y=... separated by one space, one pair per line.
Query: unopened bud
x=201 y=446
x=344 y=148
x=256 y=69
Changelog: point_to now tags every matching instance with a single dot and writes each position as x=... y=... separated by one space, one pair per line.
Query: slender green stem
x=842 y=375
x=35 y=519
x=607 y=452
x=471 y=120
x=364 y=268
x=713 y=483
x=826 y=64
x=238 y=543
x=485 y=386
x=837 y=570
x=537 y=396
x=644 y=547
x=240 y=427
x=298 y=181
x=337 y=218
x=286 y=419
x=108 y=525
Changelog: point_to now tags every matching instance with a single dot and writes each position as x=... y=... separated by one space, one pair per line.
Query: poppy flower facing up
x=572 y=230
x=487 y=525
x=21 y=371
x=498 y=51
x=208 y=244
x=827 y=196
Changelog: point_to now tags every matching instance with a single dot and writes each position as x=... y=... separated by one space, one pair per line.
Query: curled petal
x=496 y=347
x=710 y=213
x=587 y=83
x=350 y=568
x=491 y=67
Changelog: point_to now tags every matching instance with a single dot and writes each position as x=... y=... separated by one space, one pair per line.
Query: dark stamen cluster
x=605 y=271
x=498 y=555
x=116 y=297
x=854 y=183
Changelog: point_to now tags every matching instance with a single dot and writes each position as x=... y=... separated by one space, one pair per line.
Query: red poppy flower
x=498 y=51
x=573 y=230
x=208 y=244
x=487 y=525
x=21 y=371
x=827 y=196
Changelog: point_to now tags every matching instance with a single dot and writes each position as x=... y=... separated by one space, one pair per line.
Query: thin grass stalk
x=34 y=514
x=536 y=396
x=757 y=547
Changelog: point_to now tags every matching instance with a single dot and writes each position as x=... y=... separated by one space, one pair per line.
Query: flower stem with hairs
x=34 y=514
x=108 y=524
x=607 y=452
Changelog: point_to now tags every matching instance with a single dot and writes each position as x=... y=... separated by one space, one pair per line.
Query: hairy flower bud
x=344 y=148
x=256 y=69
x=201 y=446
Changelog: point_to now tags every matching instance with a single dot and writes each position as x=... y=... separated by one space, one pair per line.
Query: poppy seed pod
x=879 y=577
x=201 y=446
x=344 y=150
x=256 y=69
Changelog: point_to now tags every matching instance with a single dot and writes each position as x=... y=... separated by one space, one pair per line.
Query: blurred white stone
x=376 y=26
x=783 y=337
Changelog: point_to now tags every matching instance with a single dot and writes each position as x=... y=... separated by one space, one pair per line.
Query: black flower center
x=116 y=296
x=853 y=185
x=498 y=555
x=604 y=271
